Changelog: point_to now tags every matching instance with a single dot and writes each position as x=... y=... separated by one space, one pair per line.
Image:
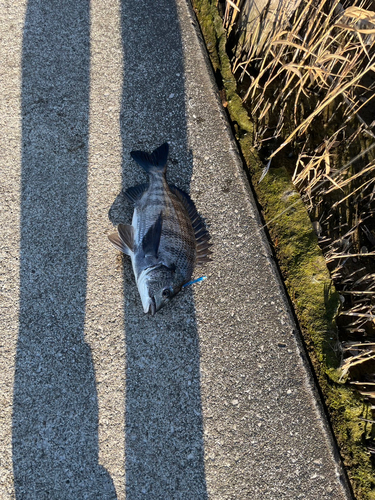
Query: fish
x=167 y=237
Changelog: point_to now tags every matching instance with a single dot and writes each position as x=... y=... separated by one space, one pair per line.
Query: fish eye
x=166 y=293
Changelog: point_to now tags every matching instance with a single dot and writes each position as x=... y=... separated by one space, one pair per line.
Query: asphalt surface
x=212 y=397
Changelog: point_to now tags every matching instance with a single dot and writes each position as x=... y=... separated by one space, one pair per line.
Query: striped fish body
x=177 y=246
x=167 y=237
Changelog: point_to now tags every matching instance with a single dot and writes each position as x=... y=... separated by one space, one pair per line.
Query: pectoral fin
x=151 y=240
x=116 y=241
x=124 y=239
x=126 y=234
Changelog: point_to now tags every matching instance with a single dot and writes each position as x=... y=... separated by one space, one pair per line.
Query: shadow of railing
x=55 y=417
x=164 y=424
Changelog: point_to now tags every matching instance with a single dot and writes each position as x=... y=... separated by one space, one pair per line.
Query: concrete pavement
x=211 y=398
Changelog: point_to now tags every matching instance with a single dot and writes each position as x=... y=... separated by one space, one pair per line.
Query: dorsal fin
x=156 y=161
x=151 y=240
x=134 y=193
x=201 y=234
x=188 y=204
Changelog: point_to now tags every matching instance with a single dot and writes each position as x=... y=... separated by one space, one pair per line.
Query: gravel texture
x=212 y=397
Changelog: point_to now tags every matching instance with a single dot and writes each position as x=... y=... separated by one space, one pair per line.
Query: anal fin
x=134 y=193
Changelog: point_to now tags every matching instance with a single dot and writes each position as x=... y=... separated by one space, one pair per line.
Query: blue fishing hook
x=194 y=281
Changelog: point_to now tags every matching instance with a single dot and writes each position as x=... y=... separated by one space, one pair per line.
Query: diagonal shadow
x=55 y=418
x=164 y=425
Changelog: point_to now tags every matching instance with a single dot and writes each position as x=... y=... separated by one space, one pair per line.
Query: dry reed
x=308 y=85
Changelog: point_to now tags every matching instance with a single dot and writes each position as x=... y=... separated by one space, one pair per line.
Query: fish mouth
x=152 y=308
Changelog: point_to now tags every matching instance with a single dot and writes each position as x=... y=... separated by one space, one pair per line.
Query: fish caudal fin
x=154 y=162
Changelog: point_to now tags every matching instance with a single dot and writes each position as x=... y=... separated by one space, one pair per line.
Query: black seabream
x=167 y=237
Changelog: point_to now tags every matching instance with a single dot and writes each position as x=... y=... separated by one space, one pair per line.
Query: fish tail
x=153 y=162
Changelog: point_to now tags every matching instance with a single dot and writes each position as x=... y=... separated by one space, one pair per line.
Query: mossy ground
x=304 y=270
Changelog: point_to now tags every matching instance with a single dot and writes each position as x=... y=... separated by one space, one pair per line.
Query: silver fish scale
x=177 y=243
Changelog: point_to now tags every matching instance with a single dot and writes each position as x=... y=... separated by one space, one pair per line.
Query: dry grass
x=316 y=56
x=308 y=80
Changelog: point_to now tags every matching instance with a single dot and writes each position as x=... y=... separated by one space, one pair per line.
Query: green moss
x=347 y=410
x=214 y=34
x=302 y=264
x=304 y=270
